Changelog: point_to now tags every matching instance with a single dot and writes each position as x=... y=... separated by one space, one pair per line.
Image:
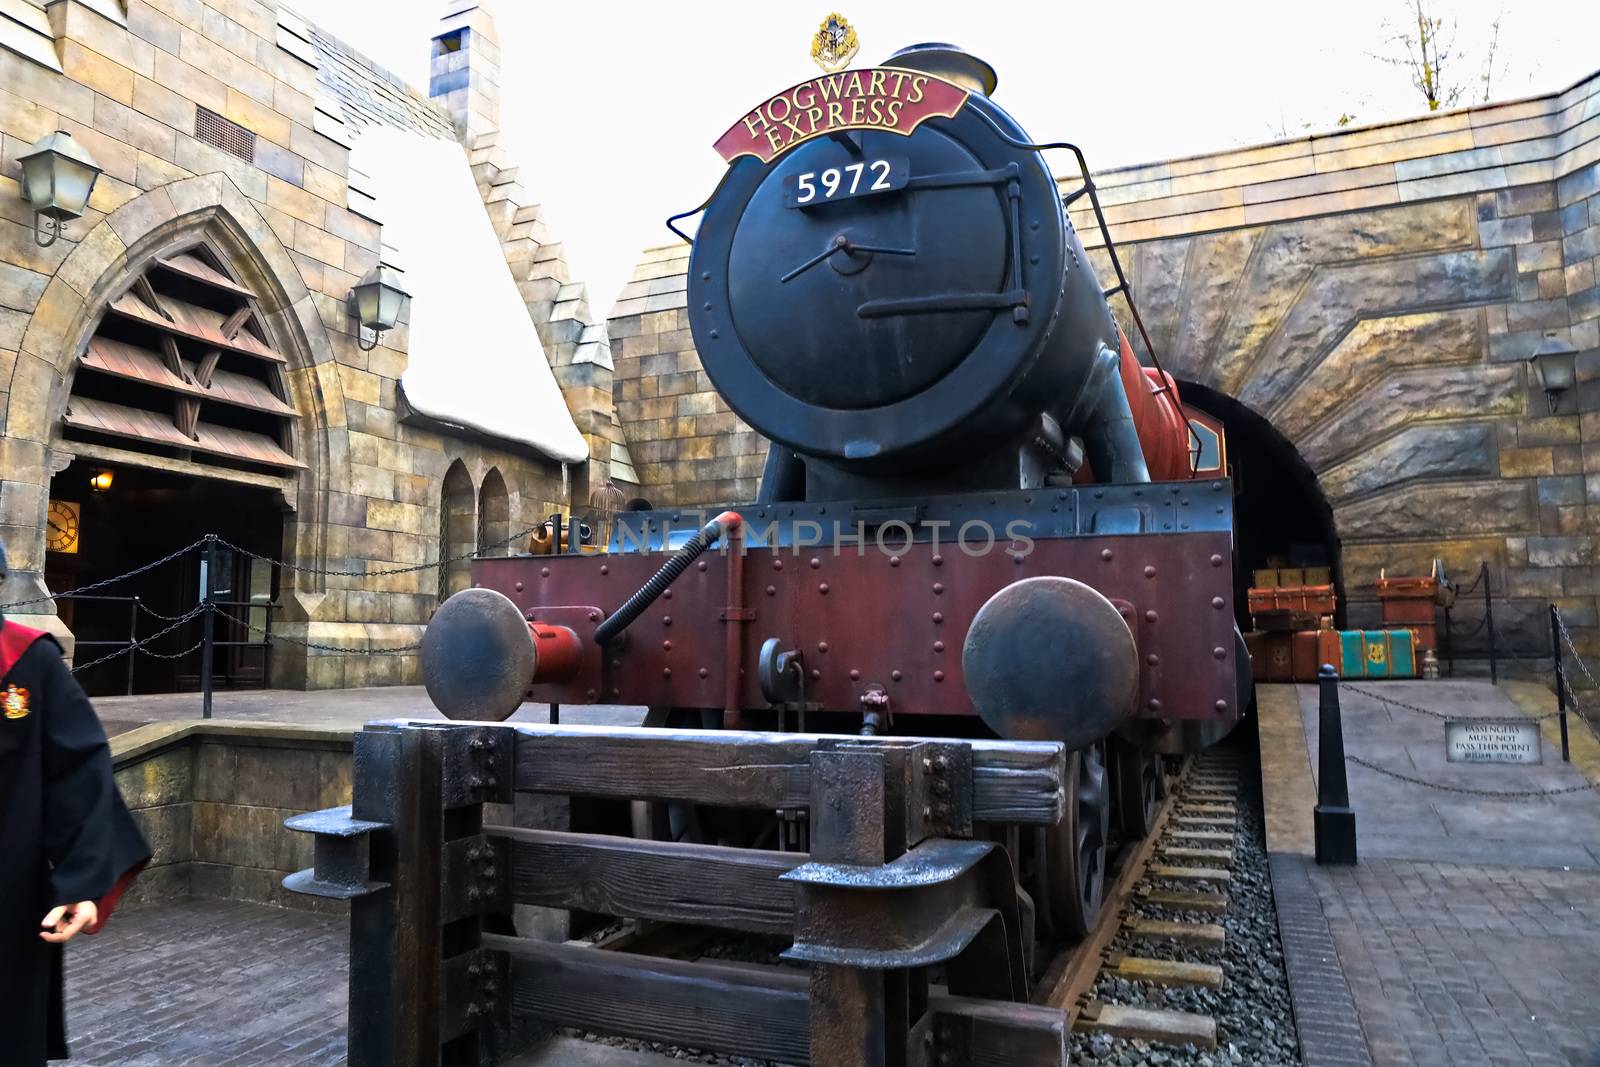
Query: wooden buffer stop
x=910 y=936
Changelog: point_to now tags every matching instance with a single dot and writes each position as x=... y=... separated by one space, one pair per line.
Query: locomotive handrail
x=698 y=208
x=1088 y=187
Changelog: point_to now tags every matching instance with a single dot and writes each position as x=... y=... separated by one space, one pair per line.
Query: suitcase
x=1411 y=603
x=1271 y=656
x=1369 y=653
x=1303 y=659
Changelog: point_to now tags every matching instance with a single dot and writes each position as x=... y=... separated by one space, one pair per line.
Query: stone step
x=1190 y=874
x=1201 y=835
x=1185 y=900
x=1206 y=935
x=1148 y=1024
x=1165 y=972
x=1207 y=855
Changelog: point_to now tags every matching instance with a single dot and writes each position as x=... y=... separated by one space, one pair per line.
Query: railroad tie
x=1220 y=836
x=1185 y=900
x=1190 y=874
x=1164 y=972
x=1207 y=855
x=1210 y=809
x=1204 y=820
x=1204 y=935
x=1148 y=1024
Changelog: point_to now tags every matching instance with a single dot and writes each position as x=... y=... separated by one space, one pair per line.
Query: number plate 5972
x=861 y=178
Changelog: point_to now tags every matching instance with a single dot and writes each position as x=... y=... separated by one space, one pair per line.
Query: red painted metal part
x=872 y=621
x=1159 y=418
x=559 y=652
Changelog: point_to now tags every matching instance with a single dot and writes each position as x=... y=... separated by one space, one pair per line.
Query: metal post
x=1449 y=645
x=133 y=642
x=1561 y=680
x=1488 y=620
x=208 y=583
x=1334 y=820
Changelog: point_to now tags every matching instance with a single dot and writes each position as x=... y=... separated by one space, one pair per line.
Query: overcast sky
x=611 y=108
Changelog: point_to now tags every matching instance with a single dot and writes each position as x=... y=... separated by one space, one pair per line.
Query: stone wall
x=211 y=799
x=295 y=226
x=1374 y=294
x=687 y=446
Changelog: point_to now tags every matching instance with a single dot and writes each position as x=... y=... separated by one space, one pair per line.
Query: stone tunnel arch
x=1280 y=509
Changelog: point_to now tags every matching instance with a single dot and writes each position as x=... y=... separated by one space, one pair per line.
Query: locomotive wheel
x=1141 y=786
x=1075 y=850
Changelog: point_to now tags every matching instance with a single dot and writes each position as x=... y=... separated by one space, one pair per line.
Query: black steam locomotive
x=978 y=513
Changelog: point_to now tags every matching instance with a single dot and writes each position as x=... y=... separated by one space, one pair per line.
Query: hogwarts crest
x=15 y=702
x=835 y=44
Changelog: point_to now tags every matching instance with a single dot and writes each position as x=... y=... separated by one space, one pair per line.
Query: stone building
x=1359 y=309
x=182 y=360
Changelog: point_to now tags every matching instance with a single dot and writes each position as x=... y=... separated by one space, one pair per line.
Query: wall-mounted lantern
x=378 y=303
x=101 y=481
x=58 y=174
x=1555 y=361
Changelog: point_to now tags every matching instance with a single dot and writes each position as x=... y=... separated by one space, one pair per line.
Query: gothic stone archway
x=206 y=211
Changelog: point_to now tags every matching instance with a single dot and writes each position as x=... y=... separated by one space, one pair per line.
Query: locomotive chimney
x=465 y=73
x=948 y=62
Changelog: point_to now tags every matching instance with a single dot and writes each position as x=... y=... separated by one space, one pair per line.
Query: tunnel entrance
x=107 y=521
x=1281 y=518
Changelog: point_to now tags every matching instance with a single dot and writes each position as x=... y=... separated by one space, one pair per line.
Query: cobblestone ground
x=209 y=983
x=1456 y=965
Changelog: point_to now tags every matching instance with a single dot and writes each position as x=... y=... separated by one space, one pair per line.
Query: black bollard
x=1335 y=821
x=1561 y=681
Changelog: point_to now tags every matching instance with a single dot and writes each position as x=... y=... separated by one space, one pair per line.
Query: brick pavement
x=1470 y=931
x=209 y=983
x=1453 y=964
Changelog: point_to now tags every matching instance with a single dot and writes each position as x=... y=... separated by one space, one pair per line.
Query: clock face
x=62 y=535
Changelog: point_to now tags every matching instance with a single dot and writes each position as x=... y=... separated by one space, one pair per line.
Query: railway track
x=1158 y=925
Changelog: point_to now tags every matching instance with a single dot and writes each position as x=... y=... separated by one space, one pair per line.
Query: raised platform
x=1470 y=930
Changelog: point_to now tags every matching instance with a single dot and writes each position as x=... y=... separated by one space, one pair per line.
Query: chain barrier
x=325 y=572
x=272 y=638
x=1572 y=697
x=81 y=590
x=152 y=565
x=1494 y=794
x=140 y=644
x=1370 y=695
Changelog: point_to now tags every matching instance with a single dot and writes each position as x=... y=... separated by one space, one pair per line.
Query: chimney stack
x=465 y=73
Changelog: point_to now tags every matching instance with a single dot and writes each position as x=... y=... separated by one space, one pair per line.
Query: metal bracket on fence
x=342 y=857
x=1335 y=821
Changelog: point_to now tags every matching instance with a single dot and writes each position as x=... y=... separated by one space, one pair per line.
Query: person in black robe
x=68 y=846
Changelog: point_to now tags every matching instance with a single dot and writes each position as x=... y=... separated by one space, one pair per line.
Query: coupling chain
x=1493 y=794
x=73 y=593
x=140 y=644
x=271 y=638
x=1369 y=694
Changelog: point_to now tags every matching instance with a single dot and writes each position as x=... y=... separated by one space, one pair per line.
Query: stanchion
x=1488 y=620
x=1335 y=822
x=1561 y=680
x=208 y=584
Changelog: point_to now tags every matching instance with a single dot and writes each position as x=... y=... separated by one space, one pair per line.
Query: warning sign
x=1492 y=741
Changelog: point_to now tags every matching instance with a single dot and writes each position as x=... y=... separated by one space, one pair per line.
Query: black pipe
x=1110 y=438
x=634 y=606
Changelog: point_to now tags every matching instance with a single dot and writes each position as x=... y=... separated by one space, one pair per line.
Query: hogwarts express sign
x=878 y=98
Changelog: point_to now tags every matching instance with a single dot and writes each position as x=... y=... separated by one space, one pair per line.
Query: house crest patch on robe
x=14 y=701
